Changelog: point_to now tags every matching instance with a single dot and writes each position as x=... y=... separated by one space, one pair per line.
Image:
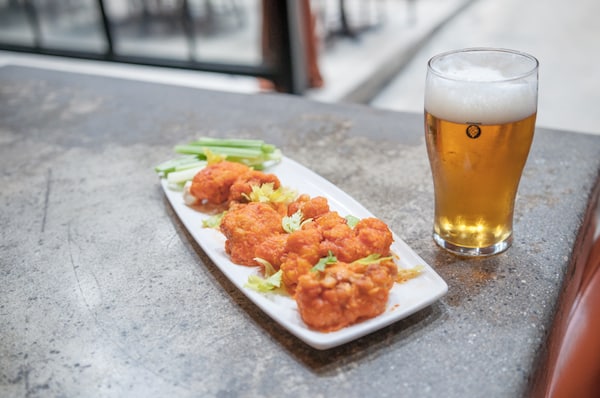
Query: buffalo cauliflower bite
x=272 y=249
x=246 y=226
x=344 y=294
x=310 y=207
x=369 y=236
x=295 y=205
x=374 y=237
x=212 y=184
x=338 y=237
x=302 y=252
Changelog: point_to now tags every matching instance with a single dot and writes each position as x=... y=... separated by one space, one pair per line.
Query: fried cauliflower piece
x=369 y=236
x=244 y=183
x=338 y=237
x=246 y=226
x=374 y=235
x=302 y=252
x=295 y=205
x=272 y=249
x=344 y=294
x=212 y=184
x=310 y=207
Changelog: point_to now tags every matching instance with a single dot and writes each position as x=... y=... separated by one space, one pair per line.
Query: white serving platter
x=405 y=298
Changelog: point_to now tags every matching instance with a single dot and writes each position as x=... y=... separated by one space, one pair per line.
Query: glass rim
x=443 y=75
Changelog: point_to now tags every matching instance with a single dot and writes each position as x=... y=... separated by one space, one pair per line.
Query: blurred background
x=372 y=52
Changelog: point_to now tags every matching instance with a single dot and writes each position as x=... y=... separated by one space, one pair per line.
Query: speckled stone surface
x=104 y=293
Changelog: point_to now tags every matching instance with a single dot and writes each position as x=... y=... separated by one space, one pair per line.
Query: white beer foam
x=465 y=91
x=477 y=102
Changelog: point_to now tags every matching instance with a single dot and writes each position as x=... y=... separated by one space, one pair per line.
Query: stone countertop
x=104 y=293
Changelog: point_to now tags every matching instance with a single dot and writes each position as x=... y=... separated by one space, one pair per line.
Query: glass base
x=473 y=251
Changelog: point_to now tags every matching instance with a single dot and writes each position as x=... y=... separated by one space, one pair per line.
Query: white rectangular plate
x=405 y=299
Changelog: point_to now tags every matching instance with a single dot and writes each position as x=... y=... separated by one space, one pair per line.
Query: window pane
x=70 y=24
x=227 y=30
x=14 y=24
x=148 y=28
x=203 y=30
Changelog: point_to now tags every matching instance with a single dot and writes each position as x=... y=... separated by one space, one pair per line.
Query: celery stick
x=223 y=150
x=191 y=165
x=258 y=145
x=254 y=153
x=181 y=177
x=228 y=142
x=268 y=148
x=171 y=165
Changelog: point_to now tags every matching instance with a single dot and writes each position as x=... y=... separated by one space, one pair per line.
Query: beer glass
x=480 y=110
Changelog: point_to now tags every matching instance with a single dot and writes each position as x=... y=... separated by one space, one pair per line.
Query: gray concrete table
x=104 y=293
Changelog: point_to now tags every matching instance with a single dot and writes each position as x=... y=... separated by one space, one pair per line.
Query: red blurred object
x=570 y=365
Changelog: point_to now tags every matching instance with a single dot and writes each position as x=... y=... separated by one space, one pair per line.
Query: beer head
x=481 y=85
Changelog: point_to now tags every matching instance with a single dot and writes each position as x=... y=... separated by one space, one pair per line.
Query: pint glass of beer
x=480 y=110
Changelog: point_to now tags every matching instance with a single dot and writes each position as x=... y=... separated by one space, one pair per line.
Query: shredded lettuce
x=265 y=193
x=264 y=285
x=271 y=281
x=405 y=274
x=213 y=221
x=269 y=269
x=373 y=258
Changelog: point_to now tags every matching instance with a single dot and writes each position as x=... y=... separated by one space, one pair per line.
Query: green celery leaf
x=324 y=262
x=292 y=223
x=351 y=220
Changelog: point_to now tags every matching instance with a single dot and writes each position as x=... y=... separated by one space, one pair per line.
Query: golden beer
x=476 y=179
x=479 y=125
